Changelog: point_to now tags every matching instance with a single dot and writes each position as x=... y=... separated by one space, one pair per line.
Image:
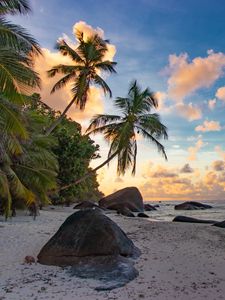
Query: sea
x=166 y=212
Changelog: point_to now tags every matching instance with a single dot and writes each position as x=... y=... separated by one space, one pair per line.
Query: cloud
x=212 y=104
x=60 y=99
x=189 y=111
x=118 y=180
x=194 y=150
x=163 y=173
x=208 y=126
x=220 y=94
x=186 y=169
x=218 y=165
x=188 y=76
x=221 y=153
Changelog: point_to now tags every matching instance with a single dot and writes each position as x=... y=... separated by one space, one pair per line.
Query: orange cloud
x=60 y=99
x=218 y=165
x=209 y=126
x=187 y=77
x=220 y=94
x=189 y=111
x=194 y=150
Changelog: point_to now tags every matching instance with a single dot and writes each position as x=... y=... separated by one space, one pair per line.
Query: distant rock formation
x=95 y=246
x=191 y=205
x=149 y=207
x=192 y=220
x=128 y=198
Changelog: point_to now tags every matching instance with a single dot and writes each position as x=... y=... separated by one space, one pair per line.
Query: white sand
x=178 y=261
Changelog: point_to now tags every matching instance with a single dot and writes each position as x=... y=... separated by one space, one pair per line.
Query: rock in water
x=149 y=207
x=86 y=233
x=192 y=220
x=191 y=205
x=129 y=198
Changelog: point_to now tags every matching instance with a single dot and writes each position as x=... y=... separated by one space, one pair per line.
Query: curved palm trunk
x=57 y=121
x=89 y=173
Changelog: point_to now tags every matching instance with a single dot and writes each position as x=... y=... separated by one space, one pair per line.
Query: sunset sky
x=175 y=47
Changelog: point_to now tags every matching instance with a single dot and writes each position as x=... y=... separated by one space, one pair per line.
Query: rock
x=86 y=233
x=220 y=224
x=129 y=198
x=29 y=260
x=111 y=271
x=125 y=212
x=192 y=220
x=85 y=205
x=191 y=205
x=142 y=215
x=149 y=207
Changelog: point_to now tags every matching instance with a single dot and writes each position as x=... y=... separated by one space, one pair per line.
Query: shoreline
x=178 y=261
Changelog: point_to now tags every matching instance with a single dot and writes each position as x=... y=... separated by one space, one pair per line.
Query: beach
x=178 y=261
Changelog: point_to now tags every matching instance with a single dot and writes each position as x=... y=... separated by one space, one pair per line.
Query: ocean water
x=166 y=211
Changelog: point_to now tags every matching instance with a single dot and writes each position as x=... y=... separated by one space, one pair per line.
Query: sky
x=174 y=47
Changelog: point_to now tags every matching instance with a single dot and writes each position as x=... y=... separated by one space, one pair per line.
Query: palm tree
x=17 y=48
x=88 y=62
x=121 y=131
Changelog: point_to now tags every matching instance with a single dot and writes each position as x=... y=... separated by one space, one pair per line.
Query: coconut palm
x=88 y=62
x=121 y=131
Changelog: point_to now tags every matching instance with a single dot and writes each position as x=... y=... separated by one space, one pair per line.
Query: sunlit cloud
x=218 y=165
x=208 y=126
x=194 y=150
x=187 y=76
x=189 y=111
x=220 y=93
x=186 y=169
x=60 y=99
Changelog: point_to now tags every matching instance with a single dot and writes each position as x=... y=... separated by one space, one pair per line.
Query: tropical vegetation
x=43 y=154
x=88 y=61
x=121 y=131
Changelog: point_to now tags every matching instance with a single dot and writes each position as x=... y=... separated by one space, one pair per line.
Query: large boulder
x=191 y=205
x=86 y=233
x=85 y=205
x=129 y=198
x=192 y=220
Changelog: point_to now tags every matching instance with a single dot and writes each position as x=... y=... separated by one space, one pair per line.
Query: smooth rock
x=86 y=233
x=142 y=215
x=220 y=224
x=192 y=205
x=149 y=207
x=129 y=198
x=192 y=220
x=85 y=205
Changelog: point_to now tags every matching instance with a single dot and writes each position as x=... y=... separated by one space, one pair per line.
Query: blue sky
x=146 y=33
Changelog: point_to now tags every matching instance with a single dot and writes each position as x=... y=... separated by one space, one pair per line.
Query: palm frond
x=66 y=50
x=101 y=120
x=150 y=137
x=14 y=7
x=106 y=66
x=16 y=37
x=100 y=82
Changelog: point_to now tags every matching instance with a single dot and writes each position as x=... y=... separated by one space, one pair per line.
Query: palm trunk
x=57 y=121
x=89 y=173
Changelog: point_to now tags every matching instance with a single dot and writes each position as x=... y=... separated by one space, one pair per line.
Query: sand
x=178 y=261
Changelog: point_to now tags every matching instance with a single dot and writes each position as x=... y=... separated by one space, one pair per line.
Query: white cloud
x=220 y=94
